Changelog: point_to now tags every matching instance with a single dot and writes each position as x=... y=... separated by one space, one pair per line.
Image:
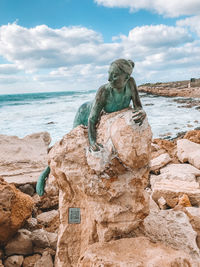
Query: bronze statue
x=113 y=96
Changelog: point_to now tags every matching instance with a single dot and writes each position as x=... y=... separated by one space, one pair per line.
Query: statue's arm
x=135 y=95
x=98 y=105
x=139 y=113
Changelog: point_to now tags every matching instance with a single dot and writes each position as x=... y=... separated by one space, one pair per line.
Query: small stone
x=42 y=250
x=184 y=201
x=44 y=261
x=31 y=223
x=43 y=239
x=14 y=261
x=162 y=203
x=159 y=161
x=31 y=260
x=27 y=189
x=21 y=244
x=47 y=217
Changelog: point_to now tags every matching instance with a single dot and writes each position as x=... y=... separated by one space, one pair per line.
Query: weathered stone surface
x=22 y=160
x=31 y=224
x=174 y=229
x=14 y=261
x=46 y=201
x=21 y=244
x=43 y=239
x=172 y=190
x=136 y=252
x=44 y=261
x=31 y=260
x=188 y=151
x=107 y=186
x=193 y=214
x=47 y=217
x=193 y=136
x=15 y=208
x=160 y=161
x=180 y=168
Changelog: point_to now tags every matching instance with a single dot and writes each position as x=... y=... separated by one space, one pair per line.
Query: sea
x=24 y=114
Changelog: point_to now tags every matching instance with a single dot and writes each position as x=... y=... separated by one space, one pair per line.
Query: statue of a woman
x=113 y=96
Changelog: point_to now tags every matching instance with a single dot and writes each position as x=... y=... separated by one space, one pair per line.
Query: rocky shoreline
x=29 y=224
x=172 y=89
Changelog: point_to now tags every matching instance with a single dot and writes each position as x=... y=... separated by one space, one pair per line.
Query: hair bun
x=131 y=62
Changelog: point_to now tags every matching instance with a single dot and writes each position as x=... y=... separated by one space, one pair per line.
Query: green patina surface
x=116 y=95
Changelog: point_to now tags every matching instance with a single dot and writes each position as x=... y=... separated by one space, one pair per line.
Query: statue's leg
x=41 y=181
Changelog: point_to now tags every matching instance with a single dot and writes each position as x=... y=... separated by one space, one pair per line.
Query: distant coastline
x=187 y=88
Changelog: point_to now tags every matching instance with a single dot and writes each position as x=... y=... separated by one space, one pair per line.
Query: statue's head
x=119 y=72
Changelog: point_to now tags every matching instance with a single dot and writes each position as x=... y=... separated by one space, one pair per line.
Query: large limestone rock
x=134 y=252
x=22 y=160
x=188 y=151
x=15 y=208
x=174 y=229
x=107 y=186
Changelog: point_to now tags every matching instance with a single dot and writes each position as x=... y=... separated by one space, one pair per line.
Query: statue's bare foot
x=95 y=147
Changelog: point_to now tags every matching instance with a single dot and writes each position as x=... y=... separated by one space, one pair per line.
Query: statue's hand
x=139 y=116
x=95 y=147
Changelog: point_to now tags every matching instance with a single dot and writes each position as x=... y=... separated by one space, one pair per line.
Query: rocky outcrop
x=107 y=186
x=134 y=252
x=22 y=160
x=179 y=88
x=15 y=208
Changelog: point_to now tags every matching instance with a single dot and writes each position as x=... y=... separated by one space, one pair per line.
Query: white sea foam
x=55 y=114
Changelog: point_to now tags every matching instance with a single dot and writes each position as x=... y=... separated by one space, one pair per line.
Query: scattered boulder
x=172 y=190
x=188 y=151
x=21 y=244
x=133 y=252
x=31 y=260
x=159 y=162
x=23 y=159
x=193 y=136
x=43 y=239
x=44 y=261
x=14 y=261
x=46 y=218
x=180 y=168
x=31 y=224
x=106 y=188
x=15 y=208
x=174 y=229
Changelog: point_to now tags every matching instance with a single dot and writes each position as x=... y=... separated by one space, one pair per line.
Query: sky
x=68 y=45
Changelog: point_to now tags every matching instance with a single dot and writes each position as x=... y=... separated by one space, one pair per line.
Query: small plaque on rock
x=74 y=215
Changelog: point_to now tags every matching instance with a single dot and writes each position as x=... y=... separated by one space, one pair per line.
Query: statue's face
x=116 y=77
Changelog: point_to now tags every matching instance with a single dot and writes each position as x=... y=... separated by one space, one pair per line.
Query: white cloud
x=8 y=69
x=170 y=8
x=77 y=58
x=192 y=22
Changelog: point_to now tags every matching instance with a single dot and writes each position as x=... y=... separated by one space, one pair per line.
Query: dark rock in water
x=51 y=122
x=27 y=189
